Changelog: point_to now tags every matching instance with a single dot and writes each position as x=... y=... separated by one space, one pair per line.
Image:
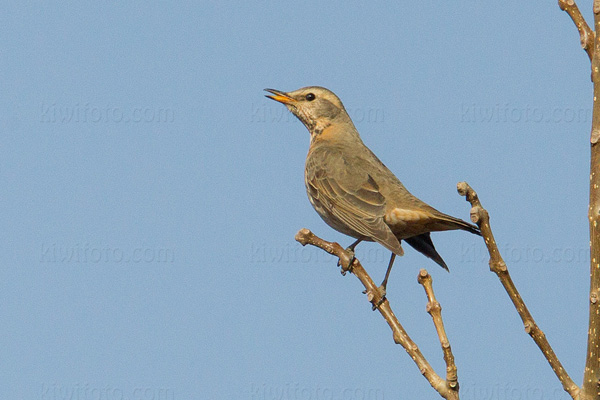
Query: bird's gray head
x=315 y=106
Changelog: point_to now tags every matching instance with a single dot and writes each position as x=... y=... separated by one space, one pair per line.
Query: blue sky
x=151 y=195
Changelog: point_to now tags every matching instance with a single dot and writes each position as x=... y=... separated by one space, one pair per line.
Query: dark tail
x=423 y=244
x=450 y=223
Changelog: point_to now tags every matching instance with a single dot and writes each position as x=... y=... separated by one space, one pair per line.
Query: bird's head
x=315 y=106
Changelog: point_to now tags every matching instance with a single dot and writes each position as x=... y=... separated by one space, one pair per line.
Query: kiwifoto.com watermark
x=87 y=391
x=523 y=253
x=296 y=391
x=508 y=391
x=292 y=252
x=276 y=113
x=507 y=113
x=95 y=114
x=85 y=253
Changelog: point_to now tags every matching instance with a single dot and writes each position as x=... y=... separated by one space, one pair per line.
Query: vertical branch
x=480 y=216
x=591 y=376
x=591 y=44
x=435 y=310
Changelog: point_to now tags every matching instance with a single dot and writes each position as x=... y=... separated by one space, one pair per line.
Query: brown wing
x=351 y=196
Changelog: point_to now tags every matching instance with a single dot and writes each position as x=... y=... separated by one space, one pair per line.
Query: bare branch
x=586 y=34
x=304 y=237
x=435 y=310
x=591 y=375
x=497 y=265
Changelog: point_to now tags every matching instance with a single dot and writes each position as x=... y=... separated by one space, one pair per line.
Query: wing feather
x=352 y=198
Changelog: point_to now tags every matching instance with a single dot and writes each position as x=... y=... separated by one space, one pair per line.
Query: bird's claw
x=382 y=293
x=347 y=261
x=370 y=296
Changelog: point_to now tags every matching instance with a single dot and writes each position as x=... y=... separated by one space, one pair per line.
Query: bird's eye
x=310 y=97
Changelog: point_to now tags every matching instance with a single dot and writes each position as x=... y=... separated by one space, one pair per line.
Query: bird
x=352 y=190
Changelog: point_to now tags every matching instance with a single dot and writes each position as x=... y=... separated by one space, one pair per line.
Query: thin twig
x=586 y=34
x=435 y=310
x=497 y=265
x=304 y=237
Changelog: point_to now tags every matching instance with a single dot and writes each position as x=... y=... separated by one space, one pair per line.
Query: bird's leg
x=382 y=288
x=387 y=274
x=350 y=249
x=352 y=246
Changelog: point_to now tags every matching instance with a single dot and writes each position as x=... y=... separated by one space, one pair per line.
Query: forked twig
x=448 y=390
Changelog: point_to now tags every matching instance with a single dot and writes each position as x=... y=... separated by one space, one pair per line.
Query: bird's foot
x=381 y=292
x=347 y=261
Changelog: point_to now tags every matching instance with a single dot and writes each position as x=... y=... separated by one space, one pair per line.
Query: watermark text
x=89 y=254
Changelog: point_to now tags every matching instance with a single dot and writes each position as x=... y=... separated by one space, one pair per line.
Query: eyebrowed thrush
x=352 y=190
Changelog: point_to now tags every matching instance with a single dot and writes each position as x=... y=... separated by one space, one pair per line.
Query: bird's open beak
x=279 y=96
